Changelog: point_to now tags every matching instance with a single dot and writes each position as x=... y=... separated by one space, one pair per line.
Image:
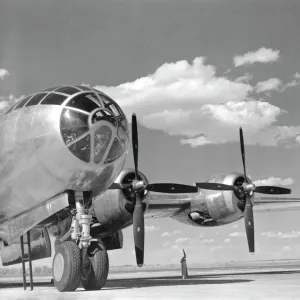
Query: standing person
x=184 y=271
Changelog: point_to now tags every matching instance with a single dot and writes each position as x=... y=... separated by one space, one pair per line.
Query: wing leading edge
x=276 y=203
x=167 y=205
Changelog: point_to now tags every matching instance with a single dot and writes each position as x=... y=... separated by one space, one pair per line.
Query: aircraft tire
x=96 y=277
x=66 y=267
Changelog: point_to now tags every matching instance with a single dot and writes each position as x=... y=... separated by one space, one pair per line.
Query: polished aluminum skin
x=110 y=207
x=215 y=207
x=35 y=163
x=40 y=248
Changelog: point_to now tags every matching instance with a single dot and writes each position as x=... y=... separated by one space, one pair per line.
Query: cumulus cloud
x=274 y=181
x=297 y=75
x=289 y=85
x=4 y=73
x=227 y=241
x=151 y=228
x=182 y=240
x=208 y=241
x=237 y=234
x=235 y=226
x=245 y=78
x=166 y=243
x=191 y=101
x=171 y=233
x=271 y=234
x=288 y=235
x=262 y=55
x=268 y=85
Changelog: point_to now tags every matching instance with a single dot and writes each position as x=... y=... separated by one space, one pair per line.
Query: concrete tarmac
x=216 y=284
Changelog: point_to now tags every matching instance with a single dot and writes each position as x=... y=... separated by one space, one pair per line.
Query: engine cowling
x=113 y=209
x=213 y=208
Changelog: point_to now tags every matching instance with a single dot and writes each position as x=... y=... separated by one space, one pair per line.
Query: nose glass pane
x=114 y=152
x=83 y=102
x=123 y=136
x=101 y=140
x=82 y=149
x=73 y=124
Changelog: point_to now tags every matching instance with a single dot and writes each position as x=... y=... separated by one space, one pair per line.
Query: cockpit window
x=54 y=99
x=36 y=99
x=123 y=124
x=82 y=149
x=52 y=88
x=109 y=104
x=101 y=140
x=84 y=88
x=73 y=125
x=11 y=108
x=22 y=102
x=122 y=136
x=68 y=90
x=114 y=152
x=84 y=102
x=104 y=115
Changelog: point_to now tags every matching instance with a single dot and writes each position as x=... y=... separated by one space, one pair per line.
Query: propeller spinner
x=138 y=186
x=246 y=194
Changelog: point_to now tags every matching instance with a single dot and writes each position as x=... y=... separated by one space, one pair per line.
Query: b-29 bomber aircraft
x=61 y=169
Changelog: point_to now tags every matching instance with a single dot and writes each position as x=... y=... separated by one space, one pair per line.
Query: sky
x=193 y=71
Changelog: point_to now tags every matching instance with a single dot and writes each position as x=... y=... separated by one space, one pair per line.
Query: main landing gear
x=82 y=259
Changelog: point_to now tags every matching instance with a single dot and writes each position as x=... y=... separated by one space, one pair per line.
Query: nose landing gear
x=82 y=259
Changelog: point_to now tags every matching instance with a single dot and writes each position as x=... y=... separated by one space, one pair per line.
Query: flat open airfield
x=280 y=282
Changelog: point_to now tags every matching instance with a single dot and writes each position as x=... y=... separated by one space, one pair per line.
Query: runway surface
x=215 y=284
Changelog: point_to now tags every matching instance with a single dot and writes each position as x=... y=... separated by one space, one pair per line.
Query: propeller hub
x=138 y=185
x=249 y=188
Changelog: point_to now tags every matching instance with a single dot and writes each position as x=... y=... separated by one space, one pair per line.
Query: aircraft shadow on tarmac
x=167 y=281
x=130 y=283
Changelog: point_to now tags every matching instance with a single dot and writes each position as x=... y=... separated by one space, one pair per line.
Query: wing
x=167 y=205
x=276 y=203
x=13 y=229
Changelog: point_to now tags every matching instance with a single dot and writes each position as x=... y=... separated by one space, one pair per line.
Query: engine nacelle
x=213 y=208
x=40 y=248
x=113 y=209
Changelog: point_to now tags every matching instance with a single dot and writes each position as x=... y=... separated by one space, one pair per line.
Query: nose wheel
x=95 y=266
x=66 y=267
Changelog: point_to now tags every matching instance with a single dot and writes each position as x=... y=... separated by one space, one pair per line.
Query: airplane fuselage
x=52 y=146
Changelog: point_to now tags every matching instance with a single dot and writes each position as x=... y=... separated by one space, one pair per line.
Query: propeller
x=138 y=186
x=246 y=195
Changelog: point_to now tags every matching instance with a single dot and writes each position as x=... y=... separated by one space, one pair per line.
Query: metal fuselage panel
x=36 y=165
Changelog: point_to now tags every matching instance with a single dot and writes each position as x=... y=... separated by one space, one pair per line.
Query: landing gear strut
x=82 y=259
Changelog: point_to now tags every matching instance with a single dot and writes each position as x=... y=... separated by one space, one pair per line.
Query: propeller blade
x=216 y=186
x=119 y=186
x=243 y=153
x=139 y=231
x=135 y=144
x=272 y=190
x=171 y=188
x=249 y=223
